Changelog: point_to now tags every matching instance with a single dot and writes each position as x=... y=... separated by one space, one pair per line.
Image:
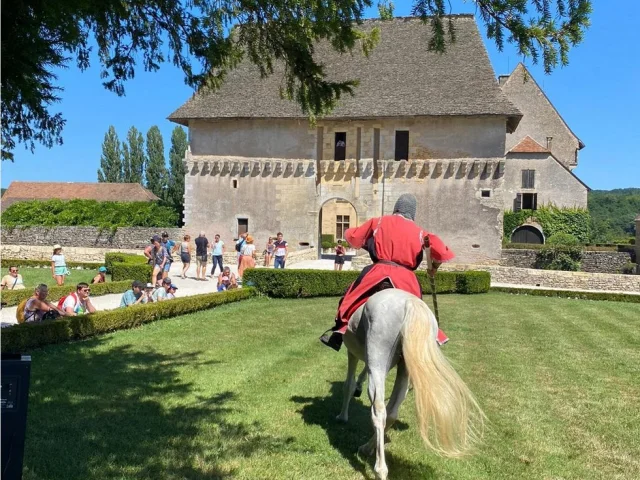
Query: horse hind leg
x=361 y=378
x=349 y=387
x=400 y=389
x=378 y=418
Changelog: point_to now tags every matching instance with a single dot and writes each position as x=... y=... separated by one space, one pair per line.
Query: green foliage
x=629 y=268
x=323 y=283
x=562 y=239
x=203 y=40
x=613 y=214
x=175 y=188
x=133 y=157
x=559 y=257
x=327 y=240
x=23 y=337
x=14 y=297
x=110 y=215
x=612 y=297
x=110 y=162
x=574 y=221
x=128 y=266
x=47 y=263
x=156 y=171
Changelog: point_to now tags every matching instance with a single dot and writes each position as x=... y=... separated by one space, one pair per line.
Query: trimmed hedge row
x=26 y=336
x=328 y=283
x=14 y=297
x=128 y=266
x=6 y=262
x=612 y=297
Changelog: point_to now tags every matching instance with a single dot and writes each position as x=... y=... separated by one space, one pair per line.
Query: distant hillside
x=613 y=213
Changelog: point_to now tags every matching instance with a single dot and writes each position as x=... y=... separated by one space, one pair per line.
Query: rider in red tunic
x=396 y=245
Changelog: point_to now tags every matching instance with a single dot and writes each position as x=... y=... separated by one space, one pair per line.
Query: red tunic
x=394 y=239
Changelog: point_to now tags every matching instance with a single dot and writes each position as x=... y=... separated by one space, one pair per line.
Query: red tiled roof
x=123 y=192
x=528 y=145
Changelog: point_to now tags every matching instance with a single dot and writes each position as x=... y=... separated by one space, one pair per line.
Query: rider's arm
x=358 y=236
x=440 y=253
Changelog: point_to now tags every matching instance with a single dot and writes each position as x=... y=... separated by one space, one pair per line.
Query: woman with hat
x=247 y=256
x=58 y=265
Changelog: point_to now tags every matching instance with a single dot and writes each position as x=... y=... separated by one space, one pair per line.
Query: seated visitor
x=134 y=296
x=227 y=280
x=101 y=277
x=161 y=293
x=172 y=291
x=148 y=293
x=37 y=308
x=13 y=280
x=78 y=302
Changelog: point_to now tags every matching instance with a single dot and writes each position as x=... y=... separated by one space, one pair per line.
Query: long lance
x=432 y=282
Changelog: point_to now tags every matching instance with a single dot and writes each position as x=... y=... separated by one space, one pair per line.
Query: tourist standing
x=185 y=254
x=339 y=261
x=216 y=254
x=202 y=246
x=281 y=251
x=248 y=258
x=158 y=256
x=239 y=245
x=170 y=246
x=268 y=252
x=58 y=265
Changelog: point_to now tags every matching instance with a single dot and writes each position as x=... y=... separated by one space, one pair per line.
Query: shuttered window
x=528 y=179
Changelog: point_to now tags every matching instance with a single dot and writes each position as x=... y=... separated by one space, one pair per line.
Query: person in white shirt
x=12 y=281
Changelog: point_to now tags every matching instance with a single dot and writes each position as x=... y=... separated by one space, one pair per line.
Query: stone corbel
x=277 y=169
x=257 y=167
x=462 y=170
x=226 y=167
x=438 y=169
x=402 y=167
x=245 y=168
x=288 y=167
x=424 y=171
x=488 y=168
x=331 y=166
x=475 y=169
x=501 y=168
x=391 y=169
x=413 y=168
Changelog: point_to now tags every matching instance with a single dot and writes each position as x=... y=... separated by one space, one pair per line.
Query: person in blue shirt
x=170 y=245
x=133 y=296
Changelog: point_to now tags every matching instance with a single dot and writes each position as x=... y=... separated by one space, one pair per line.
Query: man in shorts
x=202 y=247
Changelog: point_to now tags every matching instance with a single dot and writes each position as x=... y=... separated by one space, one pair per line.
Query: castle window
x=528 y=179
x=486 y=193
x=402 y=144
x=234 y=183
x=341 y=146
x=525 y=201
x=376 y=144
x=342 y=224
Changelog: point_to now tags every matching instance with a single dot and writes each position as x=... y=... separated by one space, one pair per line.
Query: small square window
x=486 y=193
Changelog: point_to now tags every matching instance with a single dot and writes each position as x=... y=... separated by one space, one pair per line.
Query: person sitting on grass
x=37 y=308
x=78 y=302
x=101 y=277
x=161 y=293
x=12 y=281
x=133 y=296
x=227 y=280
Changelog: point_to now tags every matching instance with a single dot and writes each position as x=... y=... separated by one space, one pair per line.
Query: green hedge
x=612 y=297
x=112 y=257
x=14 y=297
x=128 y=266
x=329 y=283
x=26 y=336
x=88 y=213
x=6 y=262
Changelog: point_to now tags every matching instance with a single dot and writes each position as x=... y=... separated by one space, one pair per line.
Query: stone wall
x=594 y=262
x=71 y=254
x=86 y=237
x=539 y=278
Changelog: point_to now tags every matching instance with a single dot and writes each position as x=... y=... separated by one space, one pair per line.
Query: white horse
x=396 y=328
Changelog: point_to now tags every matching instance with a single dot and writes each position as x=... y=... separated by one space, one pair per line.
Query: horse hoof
x=357 y=392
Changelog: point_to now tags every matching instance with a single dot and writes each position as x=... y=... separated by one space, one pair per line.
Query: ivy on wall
x=88 y=213
x=553 y=220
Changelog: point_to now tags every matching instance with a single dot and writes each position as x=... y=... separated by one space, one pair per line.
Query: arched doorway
x=336 y=216
x=527 y=234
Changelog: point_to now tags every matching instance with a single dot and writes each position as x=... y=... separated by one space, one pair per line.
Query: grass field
x=246 y=391
x=32 y=276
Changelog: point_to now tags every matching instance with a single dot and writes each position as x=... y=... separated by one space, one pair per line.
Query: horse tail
x=449 y=417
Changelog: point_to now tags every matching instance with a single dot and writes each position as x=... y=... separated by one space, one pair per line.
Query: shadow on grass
x=347 y=438
x=123 y=413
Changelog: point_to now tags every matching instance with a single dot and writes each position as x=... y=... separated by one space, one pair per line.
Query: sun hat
x=149 y=285
x=57 y=246
x=102 y=269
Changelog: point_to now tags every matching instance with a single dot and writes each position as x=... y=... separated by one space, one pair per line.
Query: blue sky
x=598 y=94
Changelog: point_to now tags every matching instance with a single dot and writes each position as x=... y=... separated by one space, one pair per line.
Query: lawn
x=246 y=391
x=32 y=276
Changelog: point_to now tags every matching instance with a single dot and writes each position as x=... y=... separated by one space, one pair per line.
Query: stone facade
x=541 y=121
x=71 y=254
x=271 y=195
x=594 y=262
x=553 y=183
x=89 y=237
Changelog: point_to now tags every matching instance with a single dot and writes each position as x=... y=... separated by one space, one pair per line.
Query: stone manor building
x=438 y=126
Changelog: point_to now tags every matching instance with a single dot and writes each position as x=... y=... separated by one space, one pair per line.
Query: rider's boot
x=333 y=340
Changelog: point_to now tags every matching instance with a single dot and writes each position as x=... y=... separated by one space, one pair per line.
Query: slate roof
x=529 y=145
x=401 y=77
x=123 y=192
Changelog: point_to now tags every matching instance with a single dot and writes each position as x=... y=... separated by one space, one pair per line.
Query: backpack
x=239 y=245
x=20 y=310
x=61 y=301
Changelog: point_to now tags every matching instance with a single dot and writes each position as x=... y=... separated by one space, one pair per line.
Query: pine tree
x=110 y=163
x=175 y=190
x=156 y=168
x=133 y=156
